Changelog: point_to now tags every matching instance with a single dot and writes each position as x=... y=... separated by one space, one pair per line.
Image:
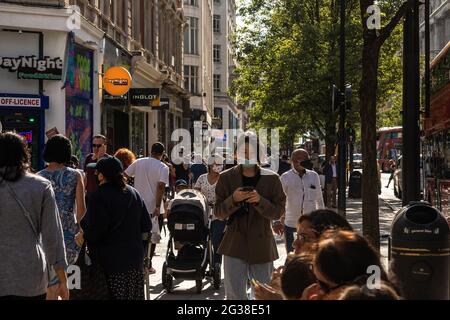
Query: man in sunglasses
x=98 y=152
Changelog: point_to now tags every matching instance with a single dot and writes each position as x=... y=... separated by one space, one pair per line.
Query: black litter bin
x=420 y=252
x=355 y=185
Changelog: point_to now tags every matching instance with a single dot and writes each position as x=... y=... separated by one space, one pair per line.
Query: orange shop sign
x=117 y=81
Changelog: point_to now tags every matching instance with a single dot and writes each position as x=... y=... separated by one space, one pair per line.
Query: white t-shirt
x=147 y=173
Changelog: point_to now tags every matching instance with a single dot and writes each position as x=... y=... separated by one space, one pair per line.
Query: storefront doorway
x=29 y=125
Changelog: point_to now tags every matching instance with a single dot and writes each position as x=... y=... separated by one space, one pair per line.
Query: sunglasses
x=326 y=288
x=306 y=238
x=97 y=145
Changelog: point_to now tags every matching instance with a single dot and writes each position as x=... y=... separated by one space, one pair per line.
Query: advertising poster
x=79 y=103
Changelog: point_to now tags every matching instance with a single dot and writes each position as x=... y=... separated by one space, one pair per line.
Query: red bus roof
x=391 y=129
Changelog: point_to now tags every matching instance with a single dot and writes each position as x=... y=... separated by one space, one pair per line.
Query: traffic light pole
x=411 y=105
x=342 y=162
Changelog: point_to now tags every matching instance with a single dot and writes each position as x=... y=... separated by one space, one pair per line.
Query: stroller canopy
x=191 y=197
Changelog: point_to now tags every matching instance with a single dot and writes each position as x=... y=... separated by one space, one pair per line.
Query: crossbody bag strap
x=26 y=213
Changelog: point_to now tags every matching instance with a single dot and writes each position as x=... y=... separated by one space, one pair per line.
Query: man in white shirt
x=151 y=176
x=303 y=194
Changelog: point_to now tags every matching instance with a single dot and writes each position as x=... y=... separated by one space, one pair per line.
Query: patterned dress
x=64 y=183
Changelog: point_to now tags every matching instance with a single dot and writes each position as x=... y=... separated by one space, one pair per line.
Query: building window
x=216 y=23
x=218 y=114
x=191 y=78
x=191 y=36
x=217 y=83
x=193 y=3
x=216 y=52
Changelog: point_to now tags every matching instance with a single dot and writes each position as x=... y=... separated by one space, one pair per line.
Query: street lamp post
x=342 y=134
x=411 y=105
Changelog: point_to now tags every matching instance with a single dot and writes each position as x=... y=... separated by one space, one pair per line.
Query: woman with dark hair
x=384 y=292
x=310 y=228
x=312 y=225
x=291 y=280
x=68 y=186
x=113 y=228
x=251 y=198
x=31 y=235
x=343 y=259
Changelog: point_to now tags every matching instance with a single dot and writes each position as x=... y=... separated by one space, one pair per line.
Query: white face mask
x=217 y=168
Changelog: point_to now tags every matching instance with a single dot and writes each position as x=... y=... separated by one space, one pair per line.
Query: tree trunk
x=370 y=183
x=330 y=138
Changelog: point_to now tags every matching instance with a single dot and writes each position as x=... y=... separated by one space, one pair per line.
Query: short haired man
x=303 y=193
x=98 y=152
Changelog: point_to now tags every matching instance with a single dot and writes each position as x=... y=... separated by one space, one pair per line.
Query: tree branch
x=386 y=31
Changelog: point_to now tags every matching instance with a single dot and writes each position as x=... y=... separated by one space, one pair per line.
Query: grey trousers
x=238 y=272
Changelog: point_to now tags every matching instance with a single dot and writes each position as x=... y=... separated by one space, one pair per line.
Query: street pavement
x=186 y=290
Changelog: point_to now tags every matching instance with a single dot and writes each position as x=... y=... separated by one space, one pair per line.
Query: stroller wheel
x=167 y=280
x=217 y=275
x=199 y=286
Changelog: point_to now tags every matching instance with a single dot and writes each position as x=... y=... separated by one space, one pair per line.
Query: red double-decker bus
x=436 y=140
x=389 y=146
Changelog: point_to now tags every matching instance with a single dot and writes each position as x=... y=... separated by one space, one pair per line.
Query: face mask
x=307 y=164
x=217 y=169
x=246 y=163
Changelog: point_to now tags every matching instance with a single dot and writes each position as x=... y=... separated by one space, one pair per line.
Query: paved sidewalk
x=185 y=290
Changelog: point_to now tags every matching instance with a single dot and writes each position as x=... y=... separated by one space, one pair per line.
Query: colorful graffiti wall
x=79 y=100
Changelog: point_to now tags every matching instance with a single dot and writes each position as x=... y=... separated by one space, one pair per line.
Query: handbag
x=94 y=285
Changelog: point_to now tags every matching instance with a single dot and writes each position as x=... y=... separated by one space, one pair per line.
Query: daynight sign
x=117 y=81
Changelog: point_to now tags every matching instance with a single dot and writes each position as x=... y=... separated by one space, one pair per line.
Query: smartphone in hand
x=247 y=189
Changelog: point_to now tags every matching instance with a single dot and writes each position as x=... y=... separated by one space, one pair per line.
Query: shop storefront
x=25 y=115
x=27 y=71
x=116 y=112
x=48 y=77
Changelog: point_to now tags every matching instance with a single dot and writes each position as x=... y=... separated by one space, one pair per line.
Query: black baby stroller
x=189 y=226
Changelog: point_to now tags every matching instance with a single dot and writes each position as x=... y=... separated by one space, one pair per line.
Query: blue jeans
x=289 y=234
x=217 y=228
x=237 y=272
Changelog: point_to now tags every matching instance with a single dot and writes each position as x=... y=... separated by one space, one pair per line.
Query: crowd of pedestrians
x=107 y=217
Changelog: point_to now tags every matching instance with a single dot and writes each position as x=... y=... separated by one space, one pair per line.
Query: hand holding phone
x=247 y=189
